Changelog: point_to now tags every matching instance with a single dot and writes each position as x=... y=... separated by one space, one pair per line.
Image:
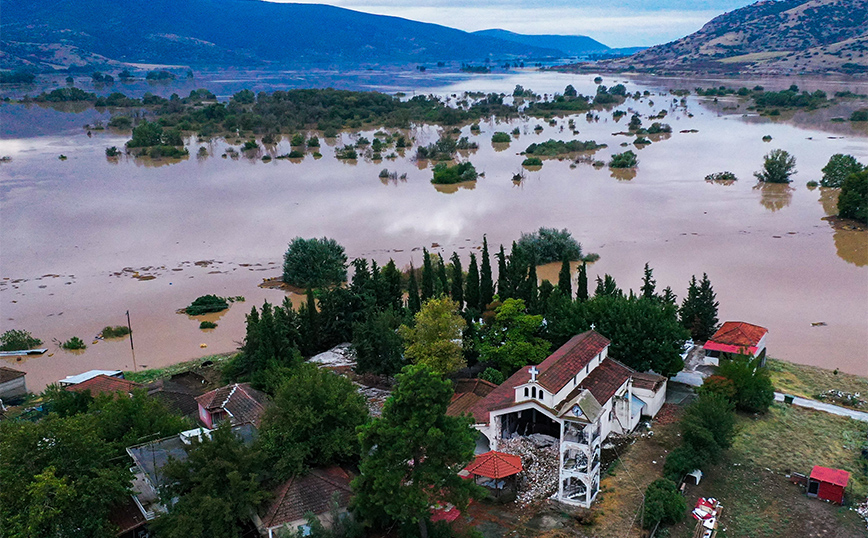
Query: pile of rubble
x=342 y=355
x=840 y=397
x=375 y=398
x=540 y=459
x=862 y=510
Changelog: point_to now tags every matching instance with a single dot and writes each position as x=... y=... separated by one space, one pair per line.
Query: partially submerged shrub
x=447 y=175
x=16 y=339
x=116 y=331
x=721 y=176
x=624 y=160
x=207 y=325
x=206 y=304
x=532 y=161
x=73 y=343
x=500 y=137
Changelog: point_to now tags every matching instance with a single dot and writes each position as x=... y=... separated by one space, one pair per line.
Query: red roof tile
x=103 y=384
x=495 y=465
x=836 y=477
x=243 y=403
x=606 y=379
x=569 y=359
x=309 y=493
x=739 y=333
x=467 y=393
x=8 y=374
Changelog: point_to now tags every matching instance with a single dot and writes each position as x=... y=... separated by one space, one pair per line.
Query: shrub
x=116 y=331
x=16 y=339
x=120 y=122
x=663 y=503
x=838 y=169
x=384 y=173
x=641 y=141
x=552 y=148
x=813 y=184
x=314 y=263
x=778 y=166
x=500 y=138
x=295 y=154
x=250 y=145
x=658 y=127
x=532 y=161
x=313 y=142
x=493 y=375
x=207 y=325
x=297 y=140
x=516 y=131
x=721 y=176
x=447 y=175
x=205 y=304
x=754 y=392
x=112 y=151
x=548 y=245
x=346 y=153
x=73 y=343
x=853 y=200
x=859 y=115
x=624 y=160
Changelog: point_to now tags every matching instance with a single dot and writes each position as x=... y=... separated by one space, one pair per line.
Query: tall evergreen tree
x=471 y=295
x=427 y=276
x=486 y=284
x=310 y=333
x=457 y=281
x=392 y=283
x=607 y=287
x=668 y=296
x=441 y=286
x=504 y=290
x=648 y=283
x=698 y=311
x=413 y=302
x=565 y=278
x=582 y=285
x=531 y=289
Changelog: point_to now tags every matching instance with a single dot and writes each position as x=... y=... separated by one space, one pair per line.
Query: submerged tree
x=778 y=166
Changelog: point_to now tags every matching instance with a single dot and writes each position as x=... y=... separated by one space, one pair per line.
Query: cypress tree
x=531 y=288
x=707 y=309
x=582 y=287
x=457 y=281
x=413 y=302
x=427 y=276
x=668 y=296
x=687 y=312
x=392 y=283
x=471 y=295
x=504 y=290
x=565 y=279
x=486 y=284
x=648 y=283
x=442 y=284
x=310 y=339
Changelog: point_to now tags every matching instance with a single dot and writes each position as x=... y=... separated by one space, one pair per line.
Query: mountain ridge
x=575 y=45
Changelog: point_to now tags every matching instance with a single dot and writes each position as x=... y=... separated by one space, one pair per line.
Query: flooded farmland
x=86 y=239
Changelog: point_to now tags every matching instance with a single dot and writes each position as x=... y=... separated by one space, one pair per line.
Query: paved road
x=822 y=406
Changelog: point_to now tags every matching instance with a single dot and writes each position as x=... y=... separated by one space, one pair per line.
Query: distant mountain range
x=250 y=33
x=769 y=37
x=569 y=45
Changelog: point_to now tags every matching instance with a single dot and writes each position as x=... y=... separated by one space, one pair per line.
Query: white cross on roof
x=533 y=372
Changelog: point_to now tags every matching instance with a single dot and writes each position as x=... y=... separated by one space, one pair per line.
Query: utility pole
x=132 y=348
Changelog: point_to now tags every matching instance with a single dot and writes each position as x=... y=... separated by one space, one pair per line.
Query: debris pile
x=375 y=398
x=840 y=397
x=540 y=458
x=341 y=355
x=862 y=510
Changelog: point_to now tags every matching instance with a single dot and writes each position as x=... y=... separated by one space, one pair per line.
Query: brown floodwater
x=85 y=239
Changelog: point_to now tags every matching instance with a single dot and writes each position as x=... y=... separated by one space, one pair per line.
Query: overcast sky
x=623 y=23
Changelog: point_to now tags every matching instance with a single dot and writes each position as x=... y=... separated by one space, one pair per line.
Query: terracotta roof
x=467 y=393
x=502 y=396
x=309 y=493
x=606 y=379
x=8 y=374
x=103 y=384
x=739 y=333
x=243 y=403
x=495 y=465
x=647 y=381
x=836 y=477
x=569 y=359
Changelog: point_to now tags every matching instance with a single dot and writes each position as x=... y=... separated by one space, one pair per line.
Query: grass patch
x=810 y=381
x=150 y=375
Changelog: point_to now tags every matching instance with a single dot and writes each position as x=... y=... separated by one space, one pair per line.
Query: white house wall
x=653 y=400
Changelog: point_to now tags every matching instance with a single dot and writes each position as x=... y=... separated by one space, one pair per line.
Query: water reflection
x=829 y=200
x=852 y=246
x=774 y=196
x=453 y=188
x=622 y=174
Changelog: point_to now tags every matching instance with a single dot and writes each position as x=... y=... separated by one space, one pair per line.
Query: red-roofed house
x=578 y=395
x=239 y=403
x=736 y=337
x=828 y=484
x=299 y=495
x=103 y=384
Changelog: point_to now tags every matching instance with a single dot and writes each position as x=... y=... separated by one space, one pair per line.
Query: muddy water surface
x=81 y=238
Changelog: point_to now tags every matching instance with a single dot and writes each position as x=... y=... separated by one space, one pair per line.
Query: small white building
x=579 y=395
x=736 y=338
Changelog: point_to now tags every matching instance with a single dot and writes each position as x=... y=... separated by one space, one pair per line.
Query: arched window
x=542 y=394
x=533 y=392
x=525 y=392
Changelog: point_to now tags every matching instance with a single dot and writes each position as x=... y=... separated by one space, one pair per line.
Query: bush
x=206 y=304
x=548 y=245
x=112 y=151
x=493 y=375
x=859 y=115
x=120 y=122
x=838 y=169
x=663 y=503
x=313 y=142
x=346 y=153
x=297 y=140
x=447 y=175
x=314 y=263
x=853 y=200
x=73 y=343
x=553 y=148
x=116 y=331
x=721 y=176
x=207 y=325
x=500 y=138
x=16 y=339
x=532 y=161
x=250 y=145
x=778 y=166
x=624 y=160
x=658 y=127
x=754 y=392
x=641 y=141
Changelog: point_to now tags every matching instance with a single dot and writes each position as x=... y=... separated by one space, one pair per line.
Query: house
x=828 y=484
x=103 y=384
x=179 y=397
x=81 y=378
x=734 y=338
x=579 y=395
x=12 y=384
x=239 y=403
x=313 y=492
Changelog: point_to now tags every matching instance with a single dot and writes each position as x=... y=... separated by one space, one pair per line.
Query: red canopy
x=495 y=465
x=837 y=477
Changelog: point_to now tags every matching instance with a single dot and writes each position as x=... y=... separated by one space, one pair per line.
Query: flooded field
x=82 y=238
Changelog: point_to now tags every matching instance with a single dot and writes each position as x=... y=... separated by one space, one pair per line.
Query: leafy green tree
x=435 y=340
x=486 y=284
x=457 y=281
x=709 y=424
x=582 y=284
x=427 y=276
x=778 y=166
x=146 y=134
x=412 y=454
x=272 y=339
x=754 y=392
x=663 y=503
x=312 y=421
x=550 y=245
x=853 y=200
x=17 y=339
x=698 y=311
x=218 y=486
x=511 y=341
x=378 y=346
x=838 y=169
x=314 y=263
x=648 y=283
x=124 y=421
x=493 y=375
x=472 y=288
x=414 y=304
x=565 y=279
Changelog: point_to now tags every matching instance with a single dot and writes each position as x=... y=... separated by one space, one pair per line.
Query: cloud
x=629 y=23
